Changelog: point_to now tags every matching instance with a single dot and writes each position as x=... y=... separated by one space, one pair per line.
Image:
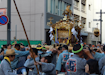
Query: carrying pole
x=25 y=34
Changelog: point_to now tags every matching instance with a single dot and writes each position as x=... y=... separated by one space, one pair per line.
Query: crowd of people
x=56 y=59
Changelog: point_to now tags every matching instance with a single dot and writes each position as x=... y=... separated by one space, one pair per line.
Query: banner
x=2 y=11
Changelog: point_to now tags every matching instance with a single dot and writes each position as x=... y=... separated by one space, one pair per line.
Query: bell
x=96 y=32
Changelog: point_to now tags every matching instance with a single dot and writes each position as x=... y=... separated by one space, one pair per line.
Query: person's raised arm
x=87 y=52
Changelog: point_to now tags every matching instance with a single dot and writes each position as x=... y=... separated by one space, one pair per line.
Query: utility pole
x=100 y=22
x=100 y=25
x=15 y=32
x=9 y=23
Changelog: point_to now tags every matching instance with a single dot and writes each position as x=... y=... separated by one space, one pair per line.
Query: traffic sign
x=3 y=19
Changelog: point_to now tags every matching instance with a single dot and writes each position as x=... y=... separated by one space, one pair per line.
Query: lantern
x=96 y=32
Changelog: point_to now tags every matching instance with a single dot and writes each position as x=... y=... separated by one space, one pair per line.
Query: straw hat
x=39 y=46
x=33 y=46
x=10 y=52
x=51 y=47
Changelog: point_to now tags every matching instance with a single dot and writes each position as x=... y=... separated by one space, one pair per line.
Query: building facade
x=93 y=7
x=80 y=14
x=35 y=15
x=85 y=11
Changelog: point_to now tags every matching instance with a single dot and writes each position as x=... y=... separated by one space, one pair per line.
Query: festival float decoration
x=66 y=30
x=96 y=32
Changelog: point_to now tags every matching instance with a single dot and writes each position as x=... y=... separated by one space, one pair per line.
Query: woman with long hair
x=92 y=67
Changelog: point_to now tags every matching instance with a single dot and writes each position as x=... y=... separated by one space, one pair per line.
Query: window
x=98 y=42
x=89 y=25
x=65 y=5
x=76 y=19
x=56 y=6
x=83 y=2
x=52 y=6
x=59 y=2
x=61 y=7
x=49 y=6
x=89 y=7
x=83 y=7
x=76 y=3
x=94 y=42
x=83 y=21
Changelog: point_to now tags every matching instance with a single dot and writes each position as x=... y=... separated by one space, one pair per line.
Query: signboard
x=2 y=11
x=3 y=19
